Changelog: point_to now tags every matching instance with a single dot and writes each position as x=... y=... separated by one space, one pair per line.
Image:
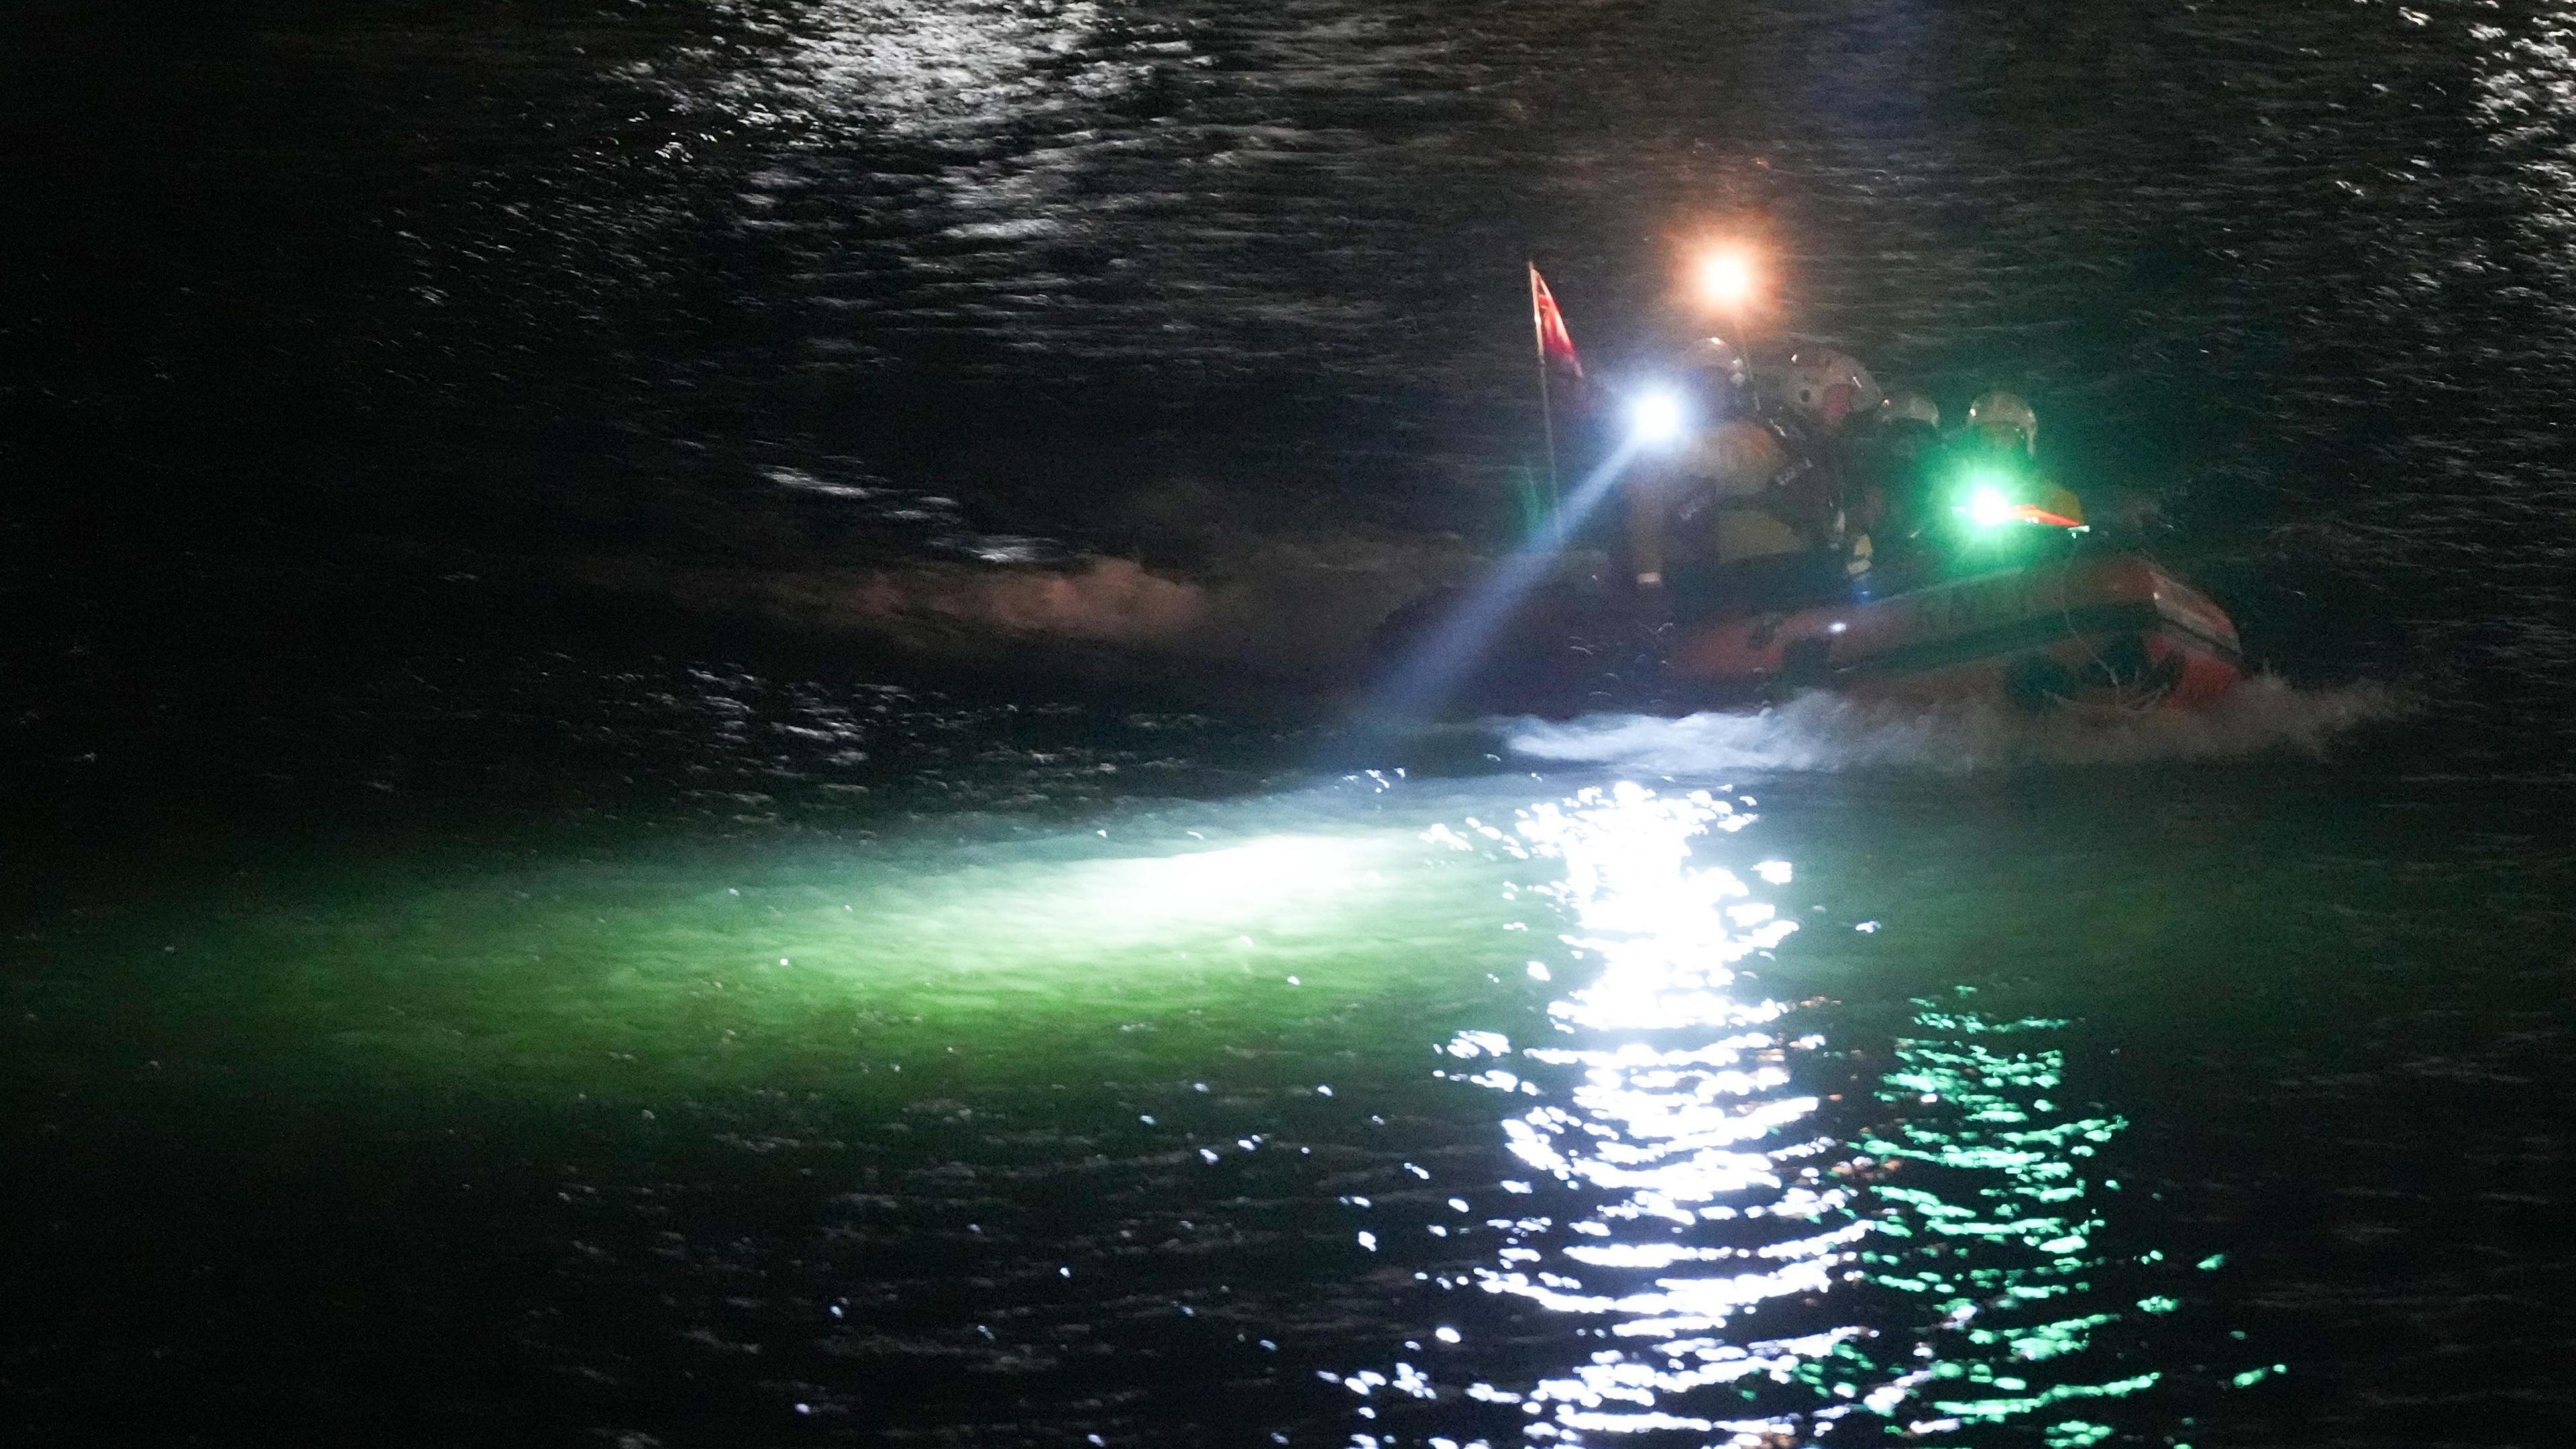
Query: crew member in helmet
x=2003 y=433
x=1802 y=481
x=1749 y=512
x=1671 y=553
x=1892 y=462
x=1822 y=402
x=1826 y=388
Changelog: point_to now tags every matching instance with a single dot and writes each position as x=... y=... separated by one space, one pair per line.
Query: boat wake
x=1822 y=732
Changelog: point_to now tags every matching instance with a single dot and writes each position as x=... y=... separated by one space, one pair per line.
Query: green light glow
x=817 y=964
x=1986 y=496
x=1684 y=1202
x=1995 y=1182
x=1996 y=1411
x=1988 y=508
x=1142 y=900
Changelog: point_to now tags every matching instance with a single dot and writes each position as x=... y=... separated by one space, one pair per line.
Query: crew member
x=1749 y=512
x=1893 y=456
x=1672 y=557
x=2003 y=432
x=1821 y=403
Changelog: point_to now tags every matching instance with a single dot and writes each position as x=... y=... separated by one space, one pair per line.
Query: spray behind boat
x=1778 y=521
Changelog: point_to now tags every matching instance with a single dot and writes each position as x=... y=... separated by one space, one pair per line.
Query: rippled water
x=929 y=1070
x=1232 y=289
x=454 y=993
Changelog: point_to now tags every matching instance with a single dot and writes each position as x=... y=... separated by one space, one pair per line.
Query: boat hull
x=2095 y=632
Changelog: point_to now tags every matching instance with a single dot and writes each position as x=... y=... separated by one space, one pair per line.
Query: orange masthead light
x=1726 y=277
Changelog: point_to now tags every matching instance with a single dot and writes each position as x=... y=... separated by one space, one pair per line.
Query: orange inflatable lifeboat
x=2092 y=630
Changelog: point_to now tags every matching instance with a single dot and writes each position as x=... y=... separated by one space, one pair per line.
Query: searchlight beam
x=1434 y=666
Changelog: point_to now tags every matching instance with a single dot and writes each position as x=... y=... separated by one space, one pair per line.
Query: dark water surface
x=668 y=775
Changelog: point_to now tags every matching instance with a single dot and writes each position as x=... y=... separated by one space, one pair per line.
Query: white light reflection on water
x=1699 y=1189
x=1683 y=1125
x=991 y=109
x=1069 y=179
x=1712 y=1258
x=930 y=71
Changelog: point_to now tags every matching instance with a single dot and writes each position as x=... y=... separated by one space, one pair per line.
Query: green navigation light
x=1989 y=508
x=1987 y=499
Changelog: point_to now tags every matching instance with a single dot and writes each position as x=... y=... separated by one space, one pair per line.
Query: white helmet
x=1827 y=386
x=1905 y=405
x=1717 y=359
x=2002 y=416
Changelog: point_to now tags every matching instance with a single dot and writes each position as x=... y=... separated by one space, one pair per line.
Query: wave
x=1295 y=620
x=1290 y=606
x=1821 y=732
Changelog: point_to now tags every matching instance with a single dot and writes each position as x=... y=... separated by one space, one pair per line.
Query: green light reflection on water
x=2002 y=1229
x=810 y=963
x=1722 y=1258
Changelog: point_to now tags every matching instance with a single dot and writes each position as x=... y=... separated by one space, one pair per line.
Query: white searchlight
x=1657 y=417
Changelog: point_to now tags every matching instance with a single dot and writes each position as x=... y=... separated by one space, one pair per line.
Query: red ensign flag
x=1555 y=344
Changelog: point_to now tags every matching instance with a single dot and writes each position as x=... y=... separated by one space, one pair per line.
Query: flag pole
x=1546 y=406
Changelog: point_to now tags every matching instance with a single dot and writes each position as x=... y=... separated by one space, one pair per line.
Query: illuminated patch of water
x=1702 y=1248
